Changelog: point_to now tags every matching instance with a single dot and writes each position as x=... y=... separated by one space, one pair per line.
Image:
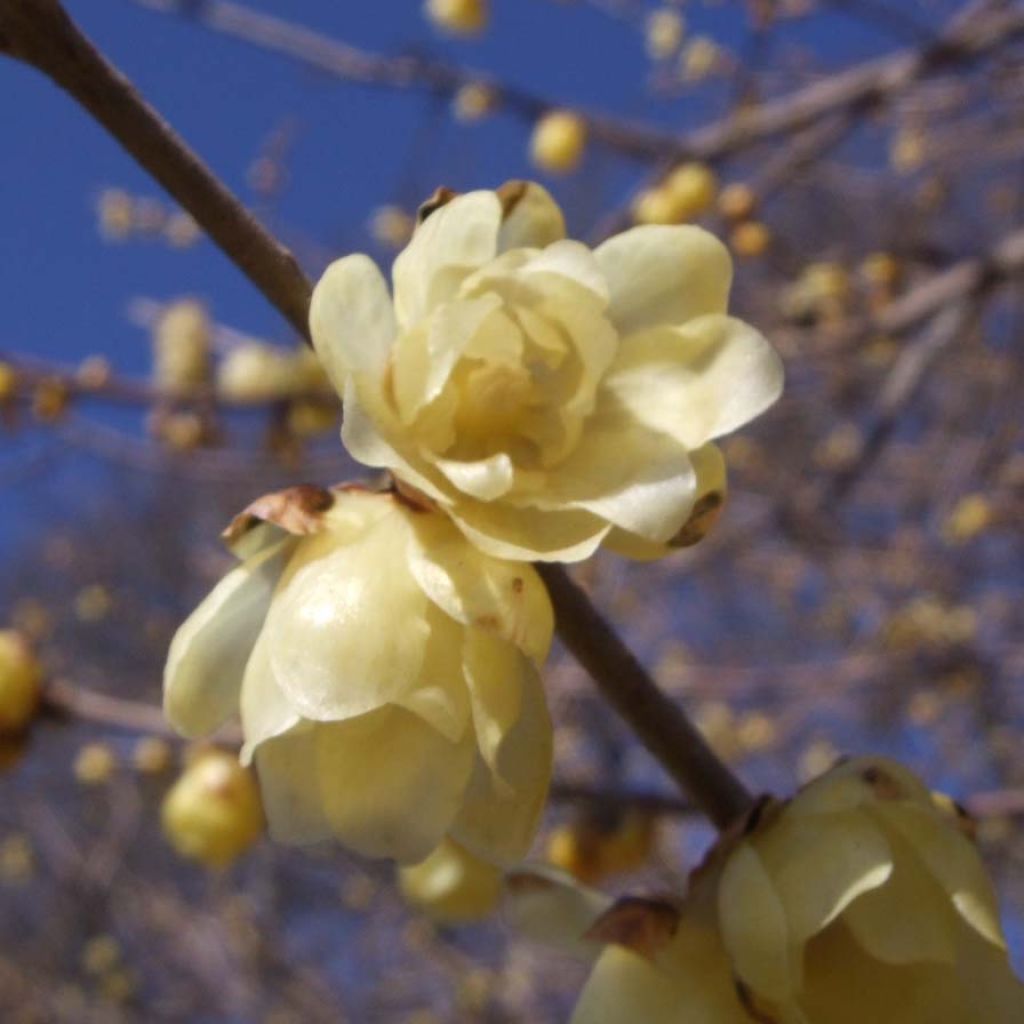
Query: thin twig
x=659 y=722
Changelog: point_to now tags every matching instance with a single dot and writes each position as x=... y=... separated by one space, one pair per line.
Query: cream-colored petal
x=699 y=381
x=575 y=262
x=547 y=905
x=391 y=784
x=951 y=859
x=664 y=275
x=530 y=534
x=348 y=628
x=534 y=222
x=820 y=866
x=495 y=674
x=487 y=479
x=624 y=988
x=290 y=787
x=504 y=598
x=452 y=242
x=857 y=782
x=991 y=991
x=363 y=436
x=709 y=466
x=265 y=709
x=754 y=929
x=351 y=319
x=208 y=654
x=503 y=806
x=637 y=479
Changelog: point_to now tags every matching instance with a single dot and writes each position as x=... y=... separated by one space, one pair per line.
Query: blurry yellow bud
x=971 y=516
x=664 y=33
x=181 y=230
x=17 y=860
x=102 y=953
x=880 y=270
x=926 y=621
x=50 y=400
x=594 y=847
x=391 y=226
x=92 y=603
x=907 y=150
x=857 y=900
x=757 y=732
x=310 y=419
x=8 y=382
x=472 y=102
x=21 y=678
x=150 y=216
x=657 y=205
x=152 y=755
x=181 y=346
x=717 y=722
x=750 y=239
x=180 y=431
x=700 y=57
x=737 y=201
x=118 y=986
x=95 y=764
x=458 y=17
x=451 y=885
x=827 y=281
x=695 y=186
x=254 y=372
x=841 y=446
x=559 y=139
x=817 y=759
x=115 y=211
x=212 y=814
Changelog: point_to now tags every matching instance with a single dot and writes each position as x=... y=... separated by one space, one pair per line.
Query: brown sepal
x=644 y=926
x=705 y=514
x=296 y=510
x=442 y=196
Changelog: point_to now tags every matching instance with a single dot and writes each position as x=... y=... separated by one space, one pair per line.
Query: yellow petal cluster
x=21 y=678
x=386 y=675
x=212 y=813
x=547 y=397
x=859 y=900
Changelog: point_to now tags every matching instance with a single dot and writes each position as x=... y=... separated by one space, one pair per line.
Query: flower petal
x=453 y=241
x=348 y=628
x=533 y=220
x=487 y=479
x=208 y=654
x=507 y=599
x=624 y=988
x=502 y=807
x=391 y=784
x=351 y=319
x=664 y=275
x=576 y=263
x=754 y=930
x=699 y=381
x=290 y=788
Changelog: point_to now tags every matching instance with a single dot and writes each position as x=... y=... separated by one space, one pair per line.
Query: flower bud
x=750 y=239
x=21 y=678
x=559 y=139
x=254 y=372
x=95 y=764
x=458 y=17
x=694 y=187
x=664 y=32
x=452 y=886
x=212 y=813
x=737 y=201
x=181 y=346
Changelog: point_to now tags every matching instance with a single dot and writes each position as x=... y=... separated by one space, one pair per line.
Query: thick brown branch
x=659 y=722
x=40 y=33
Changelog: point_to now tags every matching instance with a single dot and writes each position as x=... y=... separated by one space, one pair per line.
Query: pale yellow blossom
x=386 y=673
x=547 y=397
x=860 y=900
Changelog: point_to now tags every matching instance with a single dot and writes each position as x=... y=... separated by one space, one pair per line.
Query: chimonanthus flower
x=386 y=672
x=547 y=397
x=859 y=900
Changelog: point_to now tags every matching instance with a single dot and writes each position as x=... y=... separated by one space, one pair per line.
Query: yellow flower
x=212 y=813
x=558 y=141
x=452 y=886
x=859 y=900
x=21 y=678
x=386 y=672
x=459 y=17
x=547 y=397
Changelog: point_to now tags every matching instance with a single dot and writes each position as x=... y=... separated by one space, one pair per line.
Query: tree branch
x=40 y=33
